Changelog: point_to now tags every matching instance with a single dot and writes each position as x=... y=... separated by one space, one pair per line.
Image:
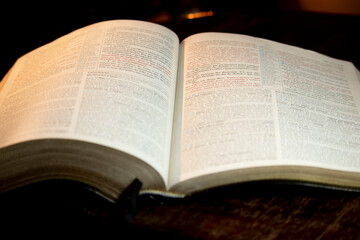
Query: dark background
x=259 y=210
x=27 y=25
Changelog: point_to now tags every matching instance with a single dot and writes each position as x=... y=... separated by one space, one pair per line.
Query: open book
x=123 y=99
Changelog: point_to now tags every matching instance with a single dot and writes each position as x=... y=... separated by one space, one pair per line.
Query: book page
x=111 y=83
x=249 y=102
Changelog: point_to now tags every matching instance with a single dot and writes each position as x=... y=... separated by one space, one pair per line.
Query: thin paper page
x=318 y=110
x=250 y=102
x=111 y=83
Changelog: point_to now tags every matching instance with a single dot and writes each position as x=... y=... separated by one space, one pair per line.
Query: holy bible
x=123 y=99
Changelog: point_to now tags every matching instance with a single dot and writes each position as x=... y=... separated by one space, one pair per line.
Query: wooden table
x=262 y=210
x=255 y=210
